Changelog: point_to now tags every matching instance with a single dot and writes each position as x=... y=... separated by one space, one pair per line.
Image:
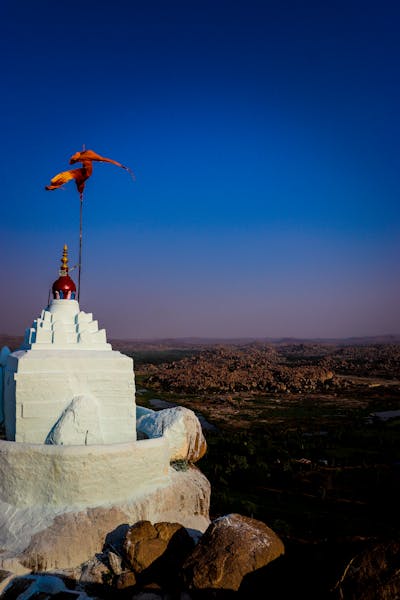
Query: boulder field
x=162 y=561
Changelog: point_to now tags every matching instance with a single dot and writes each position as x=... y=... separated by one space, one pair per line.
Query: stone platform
x=44 y=538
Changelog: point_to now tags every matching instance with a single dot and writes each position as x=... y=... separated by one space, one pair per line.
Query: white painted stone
x=180 y=427
x=4 y=353
x=79 y=424
x=45 y=586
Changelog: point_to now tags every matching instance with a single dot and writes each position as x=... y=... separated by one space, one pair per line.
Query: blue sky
x=264 y=138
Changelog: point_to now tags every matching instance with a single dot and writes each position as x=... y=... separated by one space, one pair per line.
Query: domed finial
x=64 y=288
x=64 y=262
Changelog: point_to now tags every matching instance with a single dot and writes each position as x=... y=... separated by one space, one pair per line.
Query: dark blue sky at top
x=265 y=141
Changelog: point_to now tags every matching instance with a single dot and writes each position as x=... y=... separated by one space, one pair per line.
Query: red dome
x=64 y=284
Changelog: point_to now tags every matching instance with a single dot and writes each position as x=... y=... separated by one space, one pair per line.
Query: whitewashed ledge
x=60 y=503
x=81 y=476
x=45 y=537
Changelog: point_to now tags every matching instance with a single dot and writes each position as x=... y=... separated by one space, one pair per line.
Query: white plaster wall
x=39 y=385
x=62 y=537
x=4 y=353
x=81 y=476
x=1 y=394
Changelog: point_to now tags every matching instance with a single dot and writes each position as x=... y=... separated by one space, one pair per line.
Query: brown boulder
x=165 y=531
x=231 y=547
x=156 y=552
x=372 y=575
x=115 y=562
x=141 y=546
x=125 y=579
x=145 y=553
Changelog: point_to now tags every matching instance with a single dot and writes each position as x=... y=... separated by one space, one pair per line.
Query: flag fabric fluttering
x=90 y=155
x=81 y=175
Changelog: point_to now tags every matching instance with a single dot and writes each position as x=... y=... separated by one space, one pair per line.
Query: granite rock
x=232 y=547
x=181 y=428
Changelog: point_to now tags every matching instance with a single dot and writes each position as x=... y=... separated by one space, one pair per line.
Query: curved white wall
x=79 y=476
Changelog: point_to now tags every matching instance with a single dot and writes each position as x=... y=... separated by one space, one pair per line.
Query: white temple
x=71 y=467
x=66 y=385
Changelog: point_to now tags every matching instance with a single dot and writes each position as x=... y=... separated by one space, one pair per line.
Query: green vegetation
x=347 y=489
x=158 y=357
x=314 y=466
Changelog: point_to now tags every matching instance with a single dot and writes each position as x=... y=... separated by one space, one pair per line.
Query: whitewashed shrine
x=71 y=461
x=66 y=385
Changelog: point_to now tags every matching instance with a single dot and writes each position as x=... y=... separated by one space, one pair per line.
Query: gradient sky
x=265 y=141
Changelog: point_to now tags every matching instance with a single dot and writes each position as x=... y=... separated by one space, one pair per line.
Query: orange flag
x=90 y=155
x=86 y=157
x=80 y=176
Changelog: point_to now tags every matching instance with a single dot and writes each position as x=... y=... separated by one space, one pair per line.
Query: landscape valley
x=304 y=436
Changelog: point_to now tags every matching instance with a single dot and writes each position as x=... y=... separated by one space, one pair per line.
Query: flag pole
x=80 y=235
x=80 y=244
x=80 y=175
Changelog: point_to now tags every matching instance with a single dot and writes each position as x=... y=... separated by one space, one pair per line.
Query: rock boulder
x=372 y=574
x=181 y=428
x=231 y=547
x=157 y=552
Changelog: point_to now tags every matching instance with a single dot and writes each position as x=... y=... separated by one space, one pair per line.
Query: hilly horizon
x=14 y=341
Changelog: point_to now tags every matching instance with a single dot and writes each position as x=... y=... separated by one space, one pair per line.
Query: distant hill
x=14 y=341
x=198 y=342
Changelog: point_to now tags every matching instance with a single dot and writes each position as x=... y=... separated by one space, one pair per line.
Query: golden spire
x=64 y=262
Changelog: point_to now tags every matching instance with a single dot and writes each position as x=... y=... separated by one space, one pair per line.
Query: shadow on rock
x=116 y=537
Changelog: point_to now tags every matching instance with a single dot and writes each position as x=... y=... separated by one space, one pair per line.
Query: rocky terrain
x=262 y=368
x=298 y=444
x=377 y=360
x=161 y=561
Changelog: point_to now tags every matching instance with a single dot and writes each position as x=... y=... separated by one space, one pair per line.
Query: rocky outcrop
x=371 y=360
x=374 y=574
x=74 y=537
x=248 y=369
x=161 y=559
x=94 y=571
x=232 y=547
x=180 y=427
x=157 y=552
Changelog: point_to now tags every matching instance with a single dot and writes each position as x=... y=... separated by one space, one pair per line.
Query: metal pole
x=80 y=244
x=80 y=235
